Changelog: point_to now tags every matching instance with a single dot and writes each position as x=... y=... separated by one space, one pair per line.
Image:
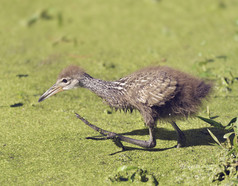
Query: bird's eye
x=64 y=80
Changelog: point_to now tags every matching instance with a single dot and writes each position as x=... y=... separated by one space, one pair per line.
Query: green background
x=44 y=143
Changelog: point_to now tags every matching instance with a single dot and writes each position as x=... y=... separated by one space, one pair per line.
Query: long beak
x=50 y=92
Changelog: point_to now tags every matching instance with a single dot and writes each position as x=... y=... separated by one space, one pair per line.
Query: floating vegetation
x=44 y=14
x=65 y=39
x=22 y=75
x=133 y=174
x=225 y=79
x=228 y=161
x=17 y=105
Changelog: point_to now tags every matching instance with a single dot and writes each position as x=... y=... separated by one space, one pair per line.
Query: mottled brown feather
x=157 y=92
x=164 y=93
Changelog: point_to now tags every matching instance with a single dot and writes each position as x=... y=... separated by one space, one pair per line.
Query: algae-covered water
x=45 y=144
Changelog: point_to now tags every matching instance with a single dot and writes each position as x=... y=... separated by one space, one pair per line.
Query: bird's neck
x=108 y=90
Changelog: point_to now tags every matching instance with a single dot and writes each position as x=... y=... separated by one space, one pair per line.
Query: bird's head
x=71 y=77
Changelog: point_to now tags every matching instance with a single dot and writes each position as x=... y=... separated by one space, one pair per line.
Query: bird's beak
x=50 y=92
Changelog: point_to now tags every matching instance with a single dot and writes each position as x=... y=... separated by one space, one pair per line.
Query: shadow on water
x=194 y=137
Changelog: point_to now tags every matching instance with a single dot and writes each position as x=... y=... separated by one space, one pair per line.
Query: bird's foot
x=179 y=145
x=113 y=137
x=181 y=141
x=108 y=135
x=117 y=138
x=118 y=142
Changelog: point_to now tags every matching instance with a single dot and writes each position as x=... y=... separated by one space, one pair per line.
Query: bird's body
x=157 y=92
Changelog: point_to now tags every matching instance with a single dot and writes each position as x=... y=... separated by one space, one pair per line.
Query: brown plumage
x=159 y=93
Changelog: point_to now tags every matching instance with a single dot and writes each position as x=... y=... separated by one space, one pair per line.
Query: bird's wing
x=155 y=91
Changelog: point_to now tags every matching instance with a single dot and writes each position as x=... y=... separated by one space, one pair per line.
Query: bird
x=158 y=93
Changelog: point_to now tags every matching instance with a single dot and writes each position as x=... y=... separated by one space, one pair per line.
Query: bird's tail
x=203 y=89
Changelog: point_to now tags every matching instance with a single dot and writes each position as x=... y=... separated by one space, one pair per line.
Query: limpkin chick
x=158 y=93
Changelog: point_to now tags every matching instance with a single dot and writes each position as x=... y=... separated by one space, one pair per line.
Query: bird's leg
x=117 y=138
x=145 y=144
x=101 y=131
x=181 y=136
